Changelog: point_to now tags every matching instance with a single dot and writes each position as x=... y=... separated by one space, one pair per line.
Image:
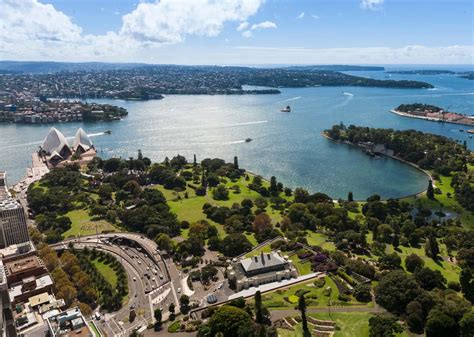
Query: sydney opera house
x=56 y=150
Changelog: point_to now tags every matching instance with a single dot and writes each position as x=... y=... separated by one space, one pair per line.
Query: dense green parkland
x=83 y=225
x=106 y=271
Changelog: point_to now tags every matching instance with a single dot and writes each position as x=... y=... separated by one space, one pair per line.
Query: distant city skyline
x=239 y=31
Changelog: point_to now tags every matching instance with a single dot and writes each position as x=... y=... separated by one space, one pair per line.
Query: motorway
x=153 y=281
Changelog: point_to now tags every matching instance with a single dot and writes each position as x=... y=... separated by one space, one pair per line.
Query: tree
x=430 y=190
x=440 y=324
x=220 y=193
x=383 y=326
x=430 y=279
x=164 y=242
x=300 y=195
x=158 y=317
x=395 y=290
x=235 y=244
x=273 y=186
x=467 y=324
x=302 y=308
x=171 y=307
x=258 y=307
x=431 y=247
x=415 y=317
x=413 y=262
x=466 y=280
x=227 y=320
x=362 y=293
x=350 y=197
x=261 y=223
x=184 y=304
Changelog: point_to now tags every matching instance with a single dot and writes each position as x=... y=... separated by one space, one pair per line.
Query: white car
x=179 y=290
x=134 y=278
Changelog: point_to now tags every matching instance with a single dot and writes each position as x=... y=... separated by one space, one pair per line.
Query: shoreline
x=427 y=173
x=431 y=119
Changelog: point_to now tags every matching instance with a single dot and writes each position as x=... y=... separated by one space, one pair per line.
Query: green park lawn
x=449 y=270
x=82 y=224
x=314 y=298
x=303 y=268
x=107 y=272
x=349 y=324
x=319 y=239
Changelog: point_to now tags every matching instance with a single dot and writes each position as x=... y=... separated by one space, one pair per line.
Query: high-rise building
x=13 y=226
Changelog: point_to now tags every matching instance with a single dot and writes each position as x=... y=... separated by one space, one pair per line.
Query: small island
x=421 y=72
x=468 y=75
x=432 y=113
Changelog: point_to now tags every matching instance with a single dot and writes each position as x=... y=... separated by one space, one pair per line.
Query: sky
x=239 y=32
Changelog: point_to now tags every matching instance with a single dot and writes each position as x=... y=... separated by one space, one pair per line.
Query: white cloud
x=371 y=4
x=247 y=34
x=30 y=29
x=244 y=25
x=170 y=21
x=264 y=25
x=301 y=15
x=314 y=16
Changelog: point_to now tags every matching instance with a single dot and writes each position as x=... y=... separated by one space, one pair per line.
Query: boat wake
x=348 y=94
x=290 y=99
x=246 y=123
x=96 y=134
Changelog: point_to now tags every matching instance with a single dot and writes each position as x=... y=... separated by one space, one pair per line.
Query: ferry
x=248 y=140
x=108 y=132
x=286 y=109
x=470 y=131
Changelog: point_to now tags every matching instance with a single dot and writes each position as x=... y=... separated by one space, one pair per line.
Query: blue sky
x=239 y=31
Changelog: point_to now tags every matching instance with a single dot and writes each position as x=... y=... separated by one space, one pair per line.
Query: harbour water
x=287 y=145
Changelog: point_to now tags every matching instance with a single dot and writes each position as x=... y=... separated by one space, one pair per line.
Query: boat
x=470 y=131
x=286 y=109
x=108 y=132
x=461 y=130
x=248 y=140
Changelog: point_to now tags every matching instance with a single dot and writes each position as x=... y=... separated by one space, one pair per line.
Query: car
x=161 y=276
x=179 y=290
x=97 y=316
x=153 y=279
x=134 y=278
x=220 y=286
x=155 y=272
x=148 y=268
x=139 y=262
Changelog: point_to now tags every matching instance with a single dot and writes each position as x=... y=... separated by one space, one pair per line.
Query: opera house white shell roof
x=82 y=140
x=55 y=142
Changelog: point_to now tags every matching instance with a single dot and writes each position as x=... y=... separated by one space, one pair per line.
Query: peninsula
x=143 y=82
x=432 y=113
x=421 y=72
x=25 y=108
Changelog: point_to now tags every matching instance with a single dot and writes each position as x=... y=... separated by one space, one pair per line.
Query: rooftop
x=23 y=264
x=262 y=261
x=68 y=323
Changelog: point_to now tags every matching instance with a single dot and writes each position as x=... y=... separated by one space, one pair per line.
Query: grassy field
x=303 y=268
x=449 y=270
x=83 y=225
x=349 y=324
x=318 y=239
x=107 y=272
x=287 y=298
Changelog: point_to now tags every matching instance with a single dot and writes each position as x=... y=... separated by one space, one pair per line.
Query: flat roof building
x=13 y=226
x=69 y=323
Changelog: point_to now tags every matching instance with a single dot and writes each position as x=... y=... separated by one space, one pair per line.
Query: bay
x=286 y=145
